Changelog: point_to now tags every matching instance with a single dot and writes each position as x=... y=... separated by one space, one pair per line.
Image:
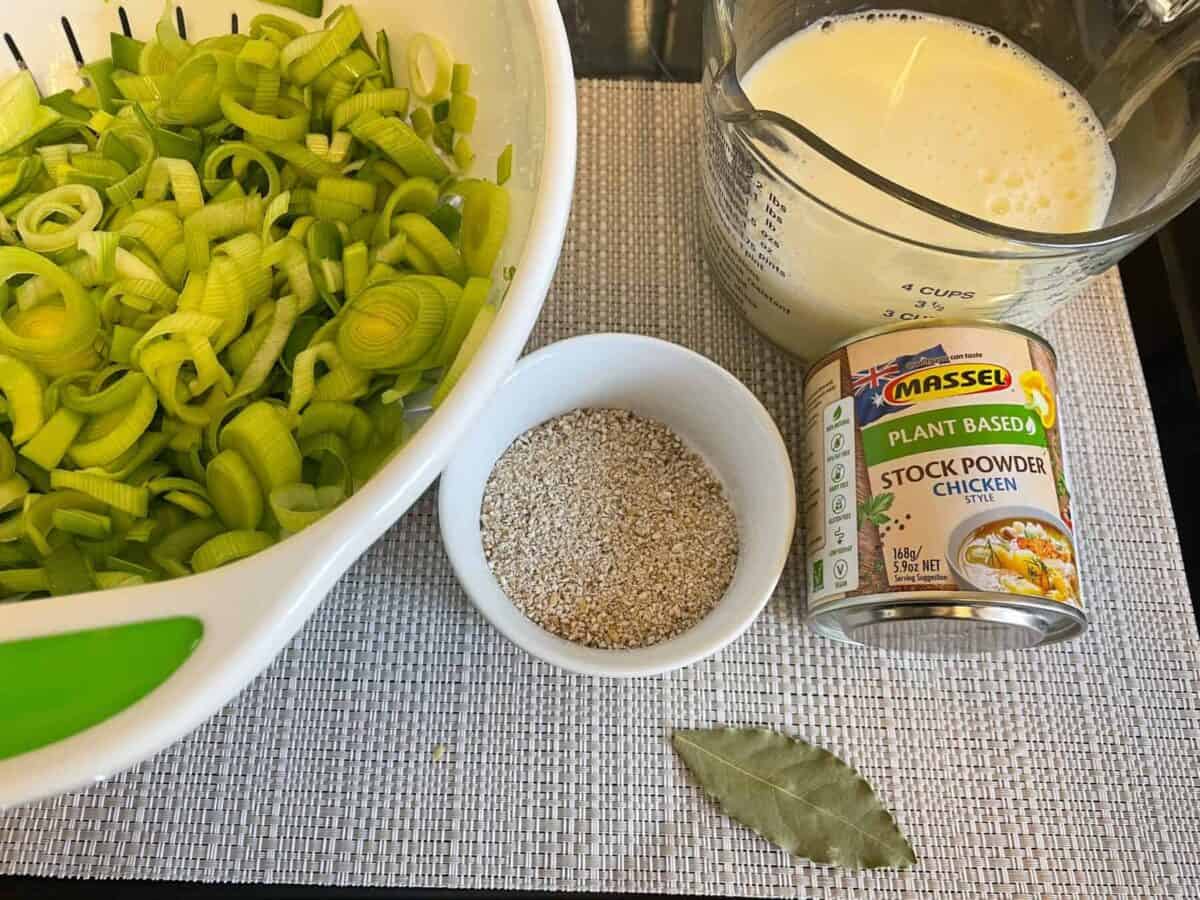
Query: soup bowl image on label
x=939 y=513
x=1016 y=550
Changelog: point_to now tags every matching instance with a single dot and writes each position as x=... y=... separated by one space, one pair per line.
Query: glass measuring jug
x=813 y=246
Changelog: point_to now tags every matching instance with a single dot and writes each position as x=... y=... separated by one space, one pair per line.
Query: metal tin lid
x=919 y=324
x=949 y=625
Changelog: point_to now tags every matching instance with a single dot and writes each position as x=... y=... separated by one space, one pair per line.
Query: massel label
x=934 y=463
x=951 y=380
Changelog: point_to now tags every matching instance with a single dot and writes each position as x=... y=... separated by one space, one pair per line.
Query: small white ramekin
x=710 y=410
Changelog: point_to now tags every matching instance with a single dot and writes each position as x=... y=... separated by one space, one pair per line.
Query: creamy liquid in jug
x=950 y=110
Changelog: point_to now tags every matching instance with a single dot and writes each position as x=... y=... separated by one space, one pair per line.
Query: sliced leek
x=262 y=435
x=229 y=547
x=224 y=265
x=504 y=164
x=425 y=52
x=136 y=417
x=471 y=344
x=233 y=490
x=8 y=459
x=399 y=143
x=296 y=506
x=50 y=444
x=56 y=219
x=22 y=389
x=485 y=221
x=125 y=497
x=391 y=325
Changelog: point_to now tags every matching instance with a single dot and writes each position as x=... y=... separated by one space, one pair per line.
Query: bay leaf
x=799 y=797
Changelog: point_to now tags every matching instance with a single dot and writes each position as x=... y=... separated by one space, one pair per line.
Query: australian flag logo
x=868 y=384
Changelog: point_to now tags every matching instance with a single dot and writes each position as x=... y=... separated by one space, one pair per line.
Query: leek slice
x=125 y=497
x=106 y=580
x=290 y=256
x=383 y=50
x=120 y=393
x=261 y=436
x=49 y=445
x=464 y=154
x=425 y=236
x=170 y=40
x=229 y=547
x=126 y=51
x=504 y=164
x=391 y=325
x=197 y=506
x=150 y=445
x=412 y=195
x=399 y=143
x=389 y=100
x=347 y=190
x=180 y=176
x=341 y=30
x=99 y=75
x=240 y=154
x=225 y=299
x=304 y=161
x=196 y=90
x=333 y=457
x=265 y=24
x=296 y=506
x=344 y=419
x=288 y=124
x=136 y=418
x=38 y=518
x=304 y=381
x=81 y=523
x=13 y=491
x=68 y=572
x=256 y=55
x=24 y=115
x=460 y=78
x=233 y=490
x=485 y=221
x=78 y=204
x=356 y=67
x=304 y=7
x=471 y=301
x=259 y=368
x=78 y=325
x=423 y=45
x=180 y=544
x=23 y=581
x=463 y=109
x=472 y=342
x=23 y=390
x=8 y=459
x=405 y=384
x=355 y=265
x=102 y=247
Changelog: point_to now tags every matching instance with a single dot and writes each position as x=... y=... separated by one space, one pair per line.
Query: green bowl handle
x=55 y=686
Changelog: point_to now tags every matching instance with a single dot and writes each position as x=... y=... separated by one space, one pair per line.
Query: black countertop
x=1162 y=291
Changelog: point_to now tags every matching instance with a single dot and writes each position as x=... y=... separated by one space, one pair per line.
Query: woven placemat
x=1066 y=772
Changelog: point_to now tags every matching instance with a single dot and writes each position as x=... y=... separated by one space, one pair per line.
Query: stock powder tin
x=939 y=514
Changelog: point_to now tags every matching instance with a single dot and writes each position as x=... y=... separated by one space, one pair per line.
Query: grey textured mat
x=1068 y=772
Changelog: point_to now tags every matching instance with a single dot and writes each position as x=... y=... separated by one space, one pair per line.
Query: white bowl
x=709 y=409
x=249 y=610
